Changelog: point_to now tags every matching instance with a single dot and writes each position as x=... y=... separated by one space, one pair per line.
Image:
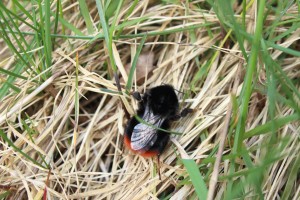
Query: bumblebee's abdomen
x=146 y=154
x=155 y=149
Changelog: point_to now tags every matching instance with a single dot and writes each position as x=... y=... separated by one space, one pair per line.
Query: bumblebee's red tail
x=146 y=154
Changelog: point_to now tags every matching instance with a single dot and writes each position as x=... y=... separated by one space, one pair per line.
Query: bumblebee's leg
x=175 y=117
x=185 y=112
x=158 y=167
x=137 y=96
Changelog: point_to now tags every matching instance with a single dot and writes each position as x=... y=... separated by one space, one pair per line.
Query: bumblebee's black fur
x=162 y=101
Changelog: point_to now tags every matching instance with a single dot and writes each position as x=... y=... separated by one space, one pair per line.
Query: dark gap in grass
x=205 y=5
x=59 y=150
x=295 y=46
x=107 y=156
x=31 y=110
x=13 y=137
x=239 y=2
x=273 y=4
x=121 y=164
x=256 y=104
x=193 y=145
x=57 y=187
x=167 y=193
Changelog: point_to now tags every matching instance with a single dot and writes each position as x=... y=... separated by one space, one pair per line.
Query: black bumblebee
x=157 y=108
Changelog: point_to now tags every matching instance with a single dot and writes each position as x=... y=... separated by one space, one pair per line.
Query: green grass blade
x=47 y=40
x=110 y=8
x=291 y=181
x=5 y=194
x=283 y=49
x=134 y=63
x=6 y=25
x=130 y=10
x=244 y=4
x=10 y=73
x=106 y=34
x=227 y=11
x=76 y=92
x=108 y=40
x=271 y=91
x=22 y=8
x=102 y=36
x=280 y=75
x=29 y=131
x=10 y=23
x=247 y=86
x=10 y=143
x=203 y=70
x=9 y=81
x=70 y=26
x=166 y=32
x=196 y=178
x=246 y=94
x=290 y=30
x=112 y=28
x=17 y=17
x=13 y=87
x=86 y=16
x=21 y=59
x=38 y=38
x=109 y=91
x=63 y=29
x=273 y=45
x=281 y=10
x=266 y=128
x=253 y=179
x=55 y=23
x=113 y=25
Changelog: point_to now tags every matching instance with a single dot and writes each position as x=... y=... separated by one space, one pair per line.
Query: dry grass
x=85 y=152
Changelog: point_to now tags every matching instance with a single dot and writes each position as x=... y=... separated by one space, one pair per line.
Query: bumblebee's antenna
x=179 y=91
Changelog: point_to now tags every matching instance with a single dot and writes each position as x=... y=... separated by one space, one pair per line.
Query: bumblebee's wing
x=144 y=136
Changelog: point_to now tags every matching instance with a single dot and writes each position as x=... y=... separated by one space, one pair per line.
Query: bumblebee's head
x=163 y=100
